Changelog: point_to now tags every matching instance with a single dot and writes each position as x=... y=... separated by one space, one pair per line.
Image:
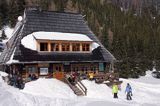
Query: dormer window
x=75 y=46
x=65 y=47
x=85 y=47
x=54 y=46
x=57 y=47
x=43 y=46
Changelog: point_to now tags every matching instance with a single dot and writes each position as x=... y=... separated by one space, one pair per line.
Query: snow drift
x=50 y=88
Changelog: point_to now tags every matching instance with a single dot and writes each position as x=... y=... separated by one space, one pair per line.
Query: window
x=75 y=68
x=54 y=46
x=43 y=71
x=85 y=47
x=93 y=68
x=75 y=47
x=101 y=67
x=32 y=70
x=58 y=68
x=65 y=47
x=43 y=46
x=84 y=68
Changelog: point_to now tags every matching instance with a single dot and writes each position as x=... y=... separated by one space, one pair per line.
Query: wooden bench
x=100 y=78
x=109 y=83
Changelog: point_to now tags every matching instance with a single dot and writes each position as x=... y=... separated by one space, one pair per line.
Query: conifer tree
x=3 y=35
x=13 y=12
x=3 y=12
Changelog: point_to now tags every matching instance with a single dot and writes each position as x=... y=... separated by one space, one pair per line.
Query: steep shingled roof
x=35 y=20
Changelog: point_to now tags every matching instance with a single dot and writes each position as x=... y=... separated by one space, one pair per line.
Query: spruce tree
x=3 y=35
x=3 y=12
x=0 y=22
x=21 y=6
x=13 y=12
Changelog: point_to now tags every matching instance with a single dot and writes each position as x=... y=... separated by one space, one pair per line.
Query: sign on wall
x=43 y=71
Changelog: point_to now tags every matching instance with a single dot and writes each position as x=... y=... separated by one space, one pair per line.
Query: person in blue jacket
x=128 y=91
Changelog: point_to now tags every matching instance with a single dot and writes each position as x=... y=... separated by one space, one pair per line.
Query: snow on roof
x=4 y=74
x=29 y=41
x=94 y=45
x=11 y=58
x=61 y=36
x=8 y=31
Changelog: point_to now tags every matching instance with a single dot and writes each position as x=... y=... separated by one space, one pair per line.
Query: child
x=115 y=90
x=128 y=92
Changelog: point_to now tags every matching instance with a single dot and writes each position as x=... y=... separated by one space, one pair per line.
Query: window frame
x=76 y=47
x=56 y=47
x=85 y=47
x=65 y=47
x=44 y=49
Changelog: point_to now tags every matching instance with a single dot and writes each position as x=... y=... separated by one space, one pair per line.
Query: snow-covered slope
x=10 y=96
x=51 y=92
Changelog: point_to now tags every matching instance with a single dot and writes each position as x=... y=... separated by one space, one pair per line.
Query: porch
x=56 y=70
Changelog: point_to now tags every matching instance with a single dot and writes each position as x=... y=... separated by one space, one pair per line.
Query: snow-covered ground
x=51 y=92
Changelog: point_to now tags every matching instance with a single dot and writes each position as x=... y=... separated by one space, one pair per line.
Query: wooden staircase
x=78 y=88
x=77 y=91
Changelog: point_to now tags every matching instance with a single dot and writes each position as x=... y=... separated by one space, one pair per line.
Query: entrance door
x=58 y=71
x=67 y=68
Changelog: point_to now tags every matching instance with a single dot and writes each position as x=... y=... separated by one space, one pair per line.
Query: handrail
x=70 y=85
x=83 y=88
x=79 y=83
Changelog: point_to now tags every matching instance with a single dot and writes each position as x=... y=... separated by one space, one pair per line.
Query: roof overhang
x=36 y=62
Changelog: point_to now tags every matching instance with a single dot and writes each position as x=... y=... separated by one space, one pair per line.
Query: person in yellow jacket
x=115 y=90
x=91 y=76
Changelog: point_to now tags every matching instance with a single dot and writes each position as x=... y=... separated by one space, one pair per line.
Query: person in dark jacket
x=33 y=77
x=128 y=92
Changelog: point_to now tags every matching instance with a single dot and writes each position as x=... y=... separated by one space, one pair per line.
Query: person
x=128 y=92
x=73 y=77
x=68 y=76
x=20 y=83
x=83 y=76
x=11 y=80
x=28 y=79
x=91 y=76
x=33 y=77
x=15 y=77
x=115 y=90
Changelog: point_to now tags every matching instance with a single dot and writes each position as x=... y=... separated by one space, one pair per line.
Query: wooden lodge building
x=47 y=43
